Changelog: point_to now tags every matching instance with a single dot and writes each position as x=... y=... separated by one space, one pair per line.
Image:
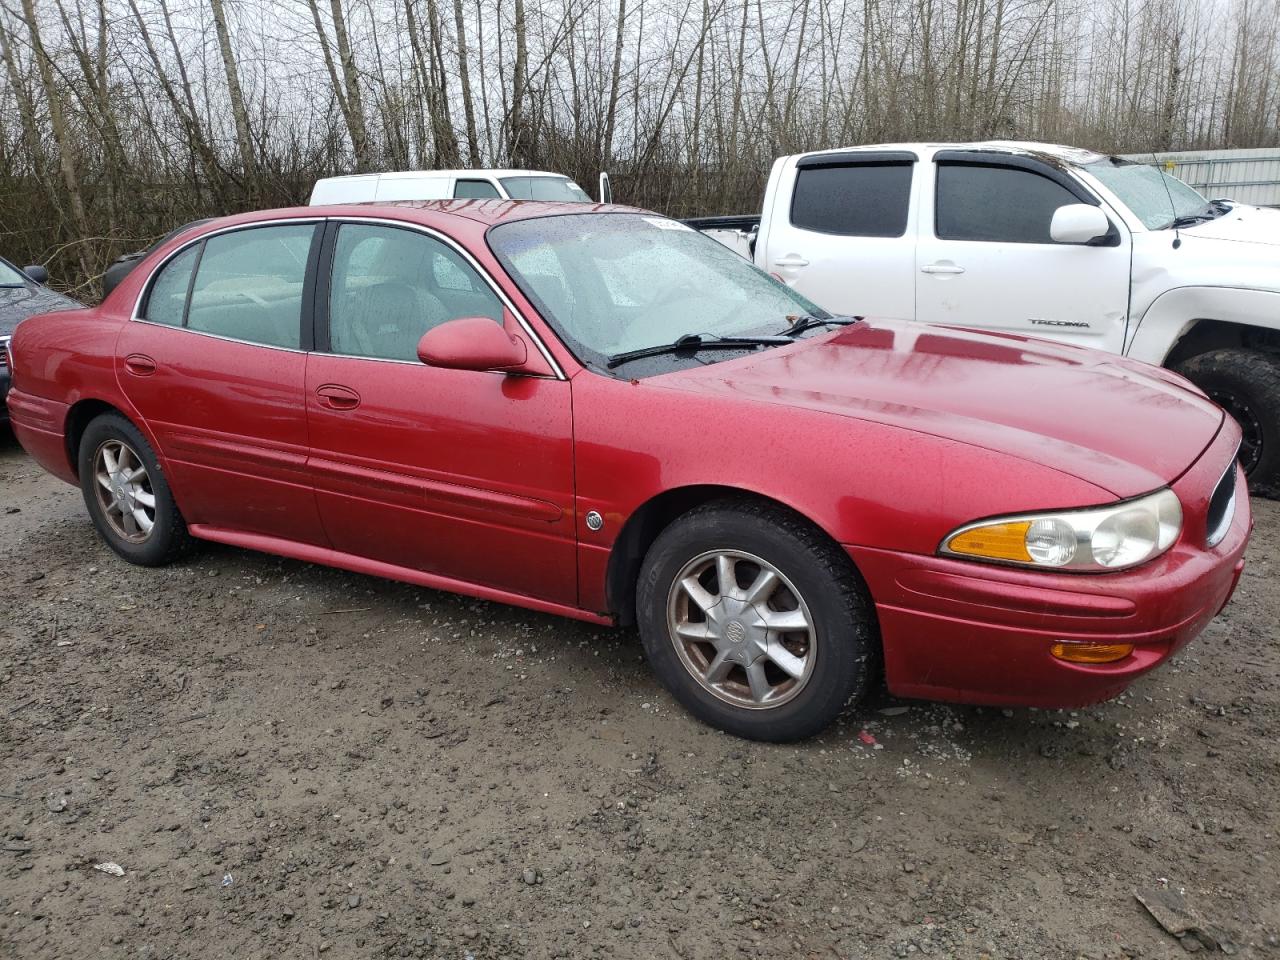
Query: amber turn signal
x=1091 y=652
x=995 y=541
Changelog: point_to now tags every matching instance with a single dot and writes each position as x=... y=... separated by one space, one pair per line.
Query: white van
x=448 y=184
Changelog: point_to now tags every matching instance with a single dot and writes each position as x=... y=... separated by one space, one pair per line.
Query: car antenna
x=1173 y=211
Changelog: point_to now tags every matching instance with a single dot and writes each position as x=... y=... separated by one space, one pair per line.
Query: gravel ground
x=290 y=761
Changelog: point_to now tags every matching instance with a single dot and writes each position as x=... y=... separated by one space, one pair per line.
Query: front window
x=611 y=283
x=11 y=276
x=1155 y=197
x=996 y=204
x=391 y=285
x=544 y=188
x=475 y=190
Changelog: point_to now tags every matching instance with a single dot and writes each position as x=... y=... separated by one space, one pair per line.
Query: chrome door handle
x=791 y=261
x=944 y=267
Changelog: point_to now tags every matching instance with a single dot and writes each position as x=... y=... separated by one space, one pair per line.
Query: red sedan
x=600 y=413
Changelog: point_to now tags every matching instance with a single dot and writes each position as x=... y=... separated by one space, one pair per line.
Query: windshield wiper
x=802 y=323
x=692 y=342
x=1210 y=211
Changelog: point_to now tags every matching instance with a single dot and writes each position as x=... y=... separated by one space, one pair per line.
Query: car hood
x=1120 y=425
x=1243 y=224
x=18 y=303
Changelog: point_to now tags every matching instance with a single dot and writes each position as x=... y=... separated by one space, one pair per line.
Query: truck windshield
x=1142 y=188
x=610 y=283
x=544 y=188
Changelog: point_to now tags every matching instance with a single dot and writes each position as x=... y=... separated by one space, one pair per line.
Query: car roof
x=1053 y=151
x=484 y=212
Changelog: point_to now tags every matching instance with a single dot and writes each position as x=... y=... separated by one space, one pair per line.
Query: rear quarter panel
x=61 y=359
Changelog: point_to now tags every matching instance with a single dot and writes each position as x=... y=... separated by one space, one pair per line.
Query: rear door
x=842 y=234
x=985 y=258
x=215 y=363
x=462 y=474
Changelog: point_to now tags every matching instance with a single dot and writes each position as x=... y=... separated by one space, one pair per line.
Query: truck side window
x=858 y=200
x=996 y=204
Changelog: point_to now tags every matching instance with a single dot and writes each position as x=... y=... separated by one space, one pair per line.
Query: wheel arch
x=653 y=516
x=1187 y=321
x=81 y=413
x=1205 y=334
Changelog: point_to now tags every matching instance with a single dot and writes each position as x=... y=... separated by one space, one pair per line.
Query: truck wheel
x=127 y=495
x=1246 y=383
x=755 y=621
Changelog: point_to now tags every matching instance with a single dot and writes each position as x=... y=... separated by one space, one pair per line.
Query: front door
x=462 y=474
x=215 y=365
x=985 y=258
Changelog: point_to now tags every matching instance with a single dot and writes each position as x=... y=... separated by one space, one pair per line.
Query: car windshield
x=1155 y=197
x=544 y=188
x=11 y=276
x=611 y=283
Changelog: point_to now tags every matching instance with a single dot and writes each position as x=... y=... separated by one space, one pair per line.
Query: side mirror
x=36 y=273
x=606 y=189
x=1078 y=223
x=471 y=343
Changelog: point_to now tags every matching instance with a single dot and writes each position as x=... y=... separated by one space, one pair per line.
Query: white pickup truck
x=1040 y=240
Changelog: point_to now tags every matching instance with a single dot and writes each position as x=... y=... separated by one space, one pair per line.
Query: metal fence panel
x=1249 y=176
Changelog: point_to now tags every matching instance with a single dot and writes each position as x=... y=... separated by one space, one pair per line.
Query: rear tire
x=127 y=495
x=1246 y=383
x=755 y=621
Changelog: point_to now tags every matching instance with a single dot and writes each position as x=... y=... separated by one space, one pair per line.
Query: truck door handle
x=944 y=267
x=791 y=260
x=337 y=397
x=139 y=364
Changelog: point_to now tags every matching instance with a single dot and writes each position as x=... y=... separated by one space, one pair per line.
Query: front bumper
x=979 y=633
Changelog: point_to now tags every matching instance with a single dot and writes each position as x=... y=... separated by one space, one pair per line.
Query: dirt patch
x=290 y=761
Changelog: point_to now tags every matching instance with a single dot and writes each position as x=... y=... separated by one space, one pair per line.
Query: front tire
x=1246 y=383
x=127 y=495
x=755 y=621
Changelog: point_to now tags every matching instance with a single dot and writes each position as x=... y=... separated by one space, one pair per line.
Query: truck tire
x=1246 y=383
x=755 y=621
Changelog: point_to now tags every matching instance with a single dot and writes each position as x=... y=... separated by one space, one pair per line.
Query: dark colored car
x=22 y=295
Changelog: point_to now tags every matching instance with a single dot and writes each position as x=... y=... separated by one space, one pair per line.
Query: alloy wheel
x=741 y=629
x=124 y=491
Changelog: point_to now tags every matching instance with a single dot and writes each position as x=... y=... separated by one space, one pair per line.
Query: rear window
x=860 y=200
x=248 y=285
x=167 y=301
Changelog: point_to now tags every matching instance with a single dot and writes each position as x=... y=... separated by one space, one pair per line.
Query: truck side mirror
x=1078 y=223
x=606 y=189
x=36 y=273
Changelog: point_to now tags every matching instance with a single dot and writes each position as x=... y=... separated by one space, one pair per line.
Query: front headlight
x=1102 y=538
